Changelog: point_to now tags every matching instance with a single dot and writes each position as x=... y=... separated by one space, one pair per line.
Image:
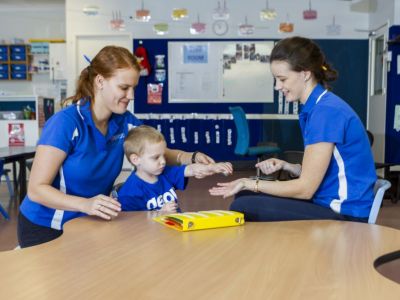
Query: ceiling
x=24 y=2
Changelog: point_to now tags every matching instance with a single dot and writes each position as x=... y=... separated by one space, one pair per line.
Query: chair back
x=381 y=185
x=2 y=210
x=242 y=130
x=1 y=167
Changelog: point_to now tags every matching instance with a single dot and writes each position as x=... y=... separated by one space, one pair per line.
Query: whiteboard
x=219 y=72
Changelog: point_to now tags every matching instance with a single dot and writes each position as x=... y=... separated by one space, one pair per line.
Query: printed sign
x=16 y=134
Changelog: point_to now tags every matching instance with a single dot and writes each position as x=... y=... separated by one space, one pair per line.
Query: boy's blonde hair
x=137 y=137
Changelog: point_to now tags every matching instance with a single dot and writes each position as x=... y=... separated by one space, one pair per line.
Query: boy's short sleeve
x=176 y=176
x=325 y=124
x=59 y=131
x=131 y=197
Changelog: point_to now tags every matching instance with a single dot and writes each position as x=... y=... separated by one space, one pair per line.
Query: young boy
x=152 y=185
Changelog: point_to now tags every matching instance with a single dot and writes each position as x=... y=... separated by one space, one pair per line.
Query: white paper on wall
x=396 y=124
x=280 y=102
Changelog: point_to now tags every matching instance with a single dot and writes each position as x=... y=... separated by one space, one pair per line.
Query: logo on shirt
x=116 y=137
x=157 y=203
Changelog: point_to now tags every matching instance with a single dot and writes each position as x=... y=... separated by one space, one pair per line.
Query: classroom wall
x=30 y=21
x=349 y=49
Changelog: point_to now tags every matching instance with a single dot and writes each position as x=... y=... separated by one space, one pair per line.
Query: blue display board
x=392 y=135
x=349 y=57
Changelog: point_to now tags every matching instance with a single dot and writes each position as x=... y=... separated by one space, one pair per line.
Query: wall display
x=179 y=13
x=220 y=72
x=220 y=27
x=16 y=134
x=161 y=28
x=45 y=109
x=154 y=93
x=116 y=22
x=142 y=14
x=286 y=27
x=309 y=14
x=142 y=57
x=198 y=27
x=333 y=28
x=245 y=28
x=267 y=13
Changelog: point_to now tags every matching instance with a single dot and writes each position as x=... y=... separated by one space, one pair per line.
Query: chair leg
x=4 y=213
x=9 y=185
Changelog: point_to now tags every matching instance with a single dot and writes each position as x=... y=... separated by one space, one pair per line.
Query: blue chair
x=2 y=210
x=381 y=185
x=243 y=138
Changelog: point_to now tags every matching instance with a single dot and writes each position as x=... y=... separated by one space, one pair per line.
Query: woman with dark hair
x=337 y=174
x=80 y=152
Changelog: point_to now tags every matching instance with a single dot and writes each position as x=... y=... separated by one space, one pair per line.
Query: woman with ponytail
x=80 y=152
x=337 y=174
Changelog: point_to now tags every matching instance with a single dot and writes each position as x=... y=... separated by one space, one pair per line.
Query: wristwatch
x=194 y=157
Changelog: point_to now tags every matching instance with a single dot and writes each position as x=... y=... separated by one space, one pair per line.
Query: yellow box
x=201 y=220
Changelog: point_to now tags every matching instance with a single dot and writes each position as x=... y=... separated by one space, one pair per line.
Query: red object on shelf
x=16 y=134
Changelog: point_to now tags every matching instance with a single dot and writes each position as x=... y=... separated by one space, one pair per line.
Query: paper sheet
x=396 y=125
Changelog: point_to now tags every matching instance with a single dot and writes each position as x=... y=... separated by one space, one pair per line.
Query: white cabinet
x=11 y=115
x=57 y=60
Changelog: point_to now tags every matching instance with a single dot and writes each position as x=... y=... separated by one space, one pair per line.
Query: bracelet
x=178 y=158
x=256 y=186
x=194 y=157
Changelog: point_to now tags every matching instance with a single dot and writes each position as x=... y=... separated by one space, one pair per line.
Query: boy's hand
x=170 y=207
x=224 y=168
x=200 y=170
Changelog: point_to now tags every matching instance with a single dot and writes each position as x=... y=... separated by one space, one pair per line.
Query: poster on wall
x=45 y=110
x=16 y=134
x=154 y=93
x=220 y=72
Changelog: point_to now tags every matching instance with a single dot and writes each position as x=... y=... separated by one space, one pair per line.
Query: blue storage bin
x=18 y=68
x=3 y=49
x=18 y=49
x=18 y=56
x=3 y=68
x=19 y=75
x=3 y=56
x=3 y=75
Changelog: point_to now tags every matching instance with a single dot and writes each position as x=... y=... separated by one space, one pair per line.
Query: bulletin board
x=220 y=72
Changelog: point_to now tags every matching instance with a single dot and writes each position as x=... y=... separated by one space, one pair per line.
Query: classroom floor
x=194 y=198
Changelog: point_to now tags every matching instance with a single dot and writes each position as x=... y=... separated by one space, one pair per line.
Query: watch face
x=220 y=27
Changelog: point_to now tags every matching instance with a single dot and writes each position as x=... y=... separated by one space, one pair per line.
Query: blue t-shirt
x=137 y=194
x=93 y=160
x=347 y=187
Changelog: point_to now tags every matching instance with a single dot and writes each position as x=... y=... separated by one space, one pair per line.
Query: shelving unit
x=14 y=62
x=15 y=105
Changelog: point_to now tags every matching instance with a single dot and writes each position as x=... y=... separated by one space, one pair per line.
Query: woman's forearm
x=293 y=169
x=178 y=157
x=51 y=197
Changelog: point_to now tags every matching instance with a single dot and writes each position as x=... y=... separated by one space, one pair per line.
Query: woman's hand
x=170 y=207
x=202 y=158
x=102 y=206
x=271 y=165
x=228 y=189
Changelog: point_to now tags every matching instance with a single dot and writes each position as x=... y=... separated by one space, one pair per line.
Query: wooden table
x=18 y=154
x=132 y=257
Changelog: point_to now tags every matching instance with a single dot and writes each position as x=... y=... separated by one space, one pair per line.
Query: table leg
x=22 y=179
x=15 y=181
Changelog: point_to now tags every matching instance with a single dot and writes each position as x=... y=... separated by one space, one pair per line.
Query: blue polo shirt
x=137 y=194
x=93 y=160
x=347 y=187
